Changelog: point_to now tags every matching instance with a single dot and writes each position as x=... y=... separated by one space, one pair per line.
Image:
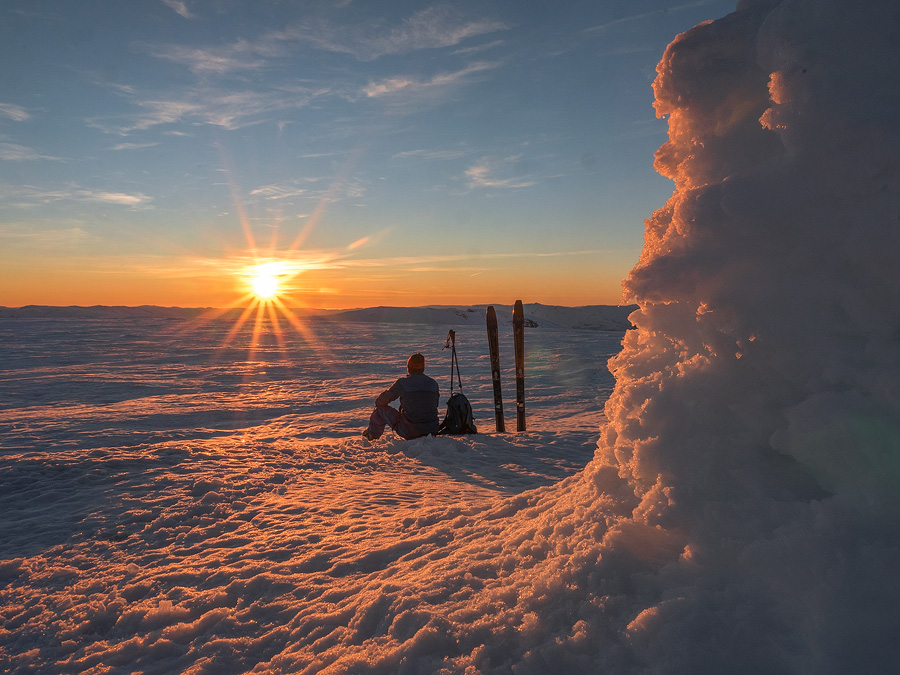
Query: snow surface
x=171 y=504
x=741 y=513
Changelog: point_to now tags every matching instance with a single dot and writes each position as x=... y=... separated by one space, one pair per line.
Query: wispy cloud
x=409 y=84
x=133 y=146
x=229 y=110
x=102 y=196
x=14 y=112
x=432 y=28
x=315 y=190
x=239 y=56
x=12 y=152
x=238 y=109
x=179 y=7
x=99 y=80
x=477 y=49
x=30 y=195
x=115 y=197
x=278 y=191
x=488 y=172
x=430 y=154
x=154 y=113
x=390 y=85
x=426 y=29
x=318 y=155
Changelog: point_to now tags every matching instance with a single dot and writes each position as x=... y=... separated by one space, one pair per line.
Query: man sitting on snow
x=418 y=414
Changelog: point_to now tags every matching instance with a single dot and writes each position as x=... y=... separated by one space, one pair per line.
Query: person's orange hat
x=416 y=363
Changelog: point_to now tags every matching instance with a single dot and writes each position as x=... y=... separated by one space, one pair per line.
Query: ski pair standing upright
x=494 y=349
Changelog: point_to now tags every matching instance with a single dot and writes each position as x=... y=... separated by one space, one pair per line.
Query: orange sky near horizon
x=571 y=280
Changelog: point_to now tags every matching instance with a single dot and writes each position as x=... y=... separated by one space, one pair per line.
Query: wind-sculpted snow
x=757 y=408
x=174 y=500
x=739 y=514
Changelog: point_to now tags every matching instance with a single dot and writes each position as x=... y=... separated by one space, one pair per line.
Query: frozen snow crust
x=740 y=514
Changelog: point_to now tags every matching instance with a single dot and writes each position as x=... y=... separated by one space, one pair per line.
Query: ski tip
x=518 y=314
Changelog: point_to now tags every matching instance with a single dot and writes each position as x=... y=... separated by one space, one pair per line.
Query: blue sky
x=400 y=153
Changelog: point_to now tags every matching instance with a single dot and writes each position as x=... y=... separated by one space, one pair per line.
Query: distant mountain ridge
x=101 y=312
x=588 y=317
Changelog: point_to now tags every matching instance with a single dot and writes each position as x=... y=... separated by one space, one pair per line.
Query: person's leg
x=405 y=429
x=379 y=418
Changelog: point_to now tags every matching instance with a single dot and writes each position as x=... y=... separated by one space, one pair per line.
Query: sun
x=265 y=285
x=265 y=281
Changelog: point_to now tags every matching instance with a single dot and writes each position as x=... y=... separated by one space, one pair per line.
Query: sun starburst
x=265 y=280
x=265 y=286
x=267 y=275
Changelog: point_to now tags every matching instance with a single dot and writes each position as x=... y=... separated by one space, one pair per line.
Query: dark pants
x=391 y=417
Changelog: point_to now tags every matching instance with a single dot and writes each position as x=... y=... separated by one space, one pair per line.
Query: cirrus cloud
x=13 y=152
x=14 y=112
x=392 y=85
x=431 y=28
x=488 y=172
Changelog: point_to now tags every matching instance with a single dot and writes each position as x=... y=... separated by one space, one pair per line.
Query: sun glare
x=265 y=280
x=265 y=285
x=268 y=287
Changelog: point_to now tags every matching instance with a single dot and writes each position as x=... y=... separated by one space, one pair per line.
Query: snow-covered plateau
x=177 y=500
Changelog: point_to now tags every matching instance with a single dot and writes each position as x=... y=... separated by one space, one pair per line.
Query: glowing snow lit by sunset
x=188 y=509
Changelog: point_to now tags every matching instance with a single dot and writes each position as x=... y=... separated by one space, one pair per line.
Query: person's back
x=419 y=397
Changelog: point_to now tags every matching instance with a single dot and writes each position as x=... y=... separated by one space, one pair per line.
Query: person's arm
x=388 y=395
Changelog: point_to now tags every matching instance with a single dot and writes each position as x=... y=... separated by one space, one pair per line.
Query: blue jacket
x=419 y=396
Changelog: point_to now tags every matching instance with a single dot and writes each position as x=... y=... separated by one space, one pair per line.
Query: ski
x=494 y=348
x=519 y=341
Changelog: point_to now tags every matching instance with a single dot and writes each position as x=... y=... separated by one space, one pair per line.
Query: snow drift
x=757 y=412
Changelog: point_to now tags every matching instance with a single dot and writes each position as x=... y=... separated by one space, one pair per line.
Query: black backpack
x=459 y=418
